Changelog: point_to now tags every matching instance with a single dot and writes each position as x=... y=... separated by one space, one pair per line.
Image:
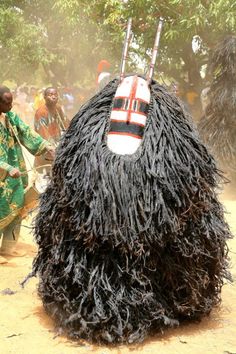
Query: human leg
x=10 y=236
x=3 y=260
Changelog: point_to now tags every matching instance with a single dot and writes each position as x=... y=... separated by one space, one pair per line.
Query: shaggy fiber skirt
x=130 y=245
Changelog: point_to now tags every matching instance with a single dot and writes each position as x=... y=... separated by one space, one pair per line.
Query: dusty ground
x=25 y=328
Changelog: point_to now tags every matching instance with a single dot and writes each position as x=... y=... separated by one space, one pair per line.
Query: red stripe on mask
x=132 y=97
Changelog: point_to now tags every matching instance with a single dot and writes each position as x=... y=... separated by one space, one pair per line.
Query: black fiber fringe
x=129 y=245
x=218 y=126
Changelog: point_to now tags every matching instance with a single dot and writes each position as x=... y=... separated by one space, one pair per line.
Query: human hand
x=15 y=173
x=50 y=153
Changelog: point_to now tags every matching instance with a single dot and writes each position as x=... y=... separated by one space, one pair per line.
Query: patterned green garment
x=11 y=156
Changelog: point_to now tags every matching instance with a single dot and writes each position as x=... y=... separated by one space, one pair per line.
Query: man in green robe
x=13 y=175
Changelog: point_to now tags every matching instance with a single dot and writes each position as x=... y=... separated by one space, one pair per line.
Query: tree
x=68 y=37
x=22 y=46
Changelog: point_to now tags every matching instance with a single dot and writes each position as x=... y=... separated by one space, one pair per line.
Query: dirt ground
x=25 y=328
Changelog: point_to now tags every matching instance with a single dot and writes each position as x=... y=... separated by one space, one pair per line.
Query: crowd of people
x=31 y=123
x=27 y=99
x=34 y=120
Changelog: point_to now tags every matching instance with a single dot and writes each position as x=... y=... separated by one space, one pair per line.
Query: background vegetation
x=62 y=41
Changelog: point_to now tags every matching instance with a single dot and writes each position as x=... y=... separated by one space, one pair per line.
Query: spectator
x=49 y=122
x=13 y=176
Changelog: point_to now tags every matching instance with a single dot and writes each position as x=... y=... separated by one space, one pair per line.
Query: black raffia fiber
x=218 y=126
x=132 y=244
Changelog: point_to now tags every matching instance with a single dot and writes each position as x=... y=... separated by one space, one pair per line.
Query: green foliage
x=22 y=45
x=69 y=37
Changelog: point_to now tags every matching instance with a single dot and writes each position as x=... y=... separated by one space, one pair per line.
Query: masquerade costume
x=131 y=235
